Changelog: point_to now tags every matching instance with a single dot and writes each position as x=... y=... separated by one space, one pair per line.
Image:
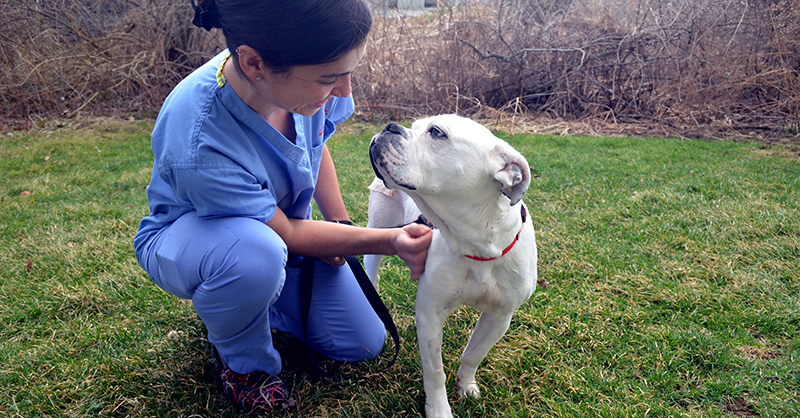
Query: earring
x=258 y=78
x=239 y=52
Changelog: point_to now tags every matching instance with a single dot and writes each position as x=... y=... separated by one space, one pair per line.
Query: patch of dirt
x=756 y=353
x=766 y=350
x=740 y=408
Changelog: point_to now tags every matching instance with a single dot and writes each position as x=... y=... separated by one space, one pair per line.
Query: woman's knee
x=343 y=319
x=363 y=340
x=239 y=289
x=370 y=346
x=260 y=251
x=253 y=266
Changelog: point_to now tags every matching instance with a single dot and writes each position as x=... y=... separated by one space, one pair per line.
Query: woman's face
x=306 y=89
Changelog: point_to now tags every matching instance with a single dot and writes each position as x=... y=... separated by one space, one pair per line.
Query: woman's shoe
x=253 y=392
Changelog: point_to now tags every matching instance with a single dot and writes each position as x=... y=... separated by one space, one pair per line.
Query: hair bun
x=205 y=19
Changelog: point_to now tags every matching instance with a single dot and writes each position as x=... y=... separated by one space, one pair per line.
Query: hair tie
x=205 y=19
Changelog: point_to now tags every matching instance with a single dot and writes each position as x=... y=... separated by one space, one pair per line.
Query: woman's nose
x=343 y=87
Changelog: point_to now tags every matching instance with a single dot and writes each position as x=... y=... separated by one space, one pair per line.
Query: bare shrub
x=699 y=62
x=728 y=63
x=61 y=56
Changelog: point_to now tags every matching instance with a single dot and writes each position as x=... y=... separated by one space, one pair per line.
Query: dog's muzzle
x=374 y=156
x=389 y=141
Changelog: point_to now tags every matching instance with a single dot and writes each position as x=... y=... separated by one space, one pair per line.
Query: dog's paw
x=438 y=411
x=468 y=389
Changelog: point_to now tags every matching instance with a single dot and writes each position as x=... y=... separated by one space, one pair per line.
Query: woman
x=239 y=149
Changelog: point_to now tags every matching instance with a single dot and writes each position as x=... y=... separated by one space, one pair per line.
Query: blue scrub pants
x=236 y=274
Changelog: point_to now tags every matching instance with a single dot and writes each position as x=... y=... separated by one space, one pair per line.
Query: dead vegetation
x=693 y=68
x=61 y=57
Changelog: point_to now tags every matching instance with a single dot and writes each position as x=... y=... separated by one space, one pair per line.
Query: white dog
x=469 y=184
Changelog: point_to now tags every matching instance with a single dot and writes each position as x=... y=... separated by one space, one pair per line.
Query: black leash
x=306 y=288
x=422 y=220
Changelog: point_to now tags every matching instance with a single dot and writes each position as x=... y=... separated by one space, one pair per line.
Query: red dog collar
x=516 y=237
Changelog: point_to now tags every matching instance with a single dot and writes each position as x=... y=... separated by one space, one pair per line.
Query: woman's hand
x=333 y=261
x=411 y=243
x=327 y=241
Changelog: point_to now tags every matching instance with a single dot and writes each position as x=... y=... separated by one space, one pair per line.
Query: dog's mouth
x=375 y=166
x=392 y=183
x=380 y=164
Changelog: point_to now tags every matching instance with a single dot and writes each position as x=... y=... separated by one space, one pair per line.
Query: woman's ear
x=250 y=63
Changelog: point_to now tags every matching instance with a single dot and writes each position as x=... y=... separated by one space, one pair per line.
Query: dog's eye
x=436 y=133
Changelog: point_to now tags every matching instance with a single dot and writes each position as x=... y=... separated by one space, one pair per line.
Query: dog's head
x=448 y=156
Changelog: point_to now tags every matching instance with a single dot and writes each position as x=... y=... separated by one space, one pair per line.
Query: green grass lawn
x=674 y=271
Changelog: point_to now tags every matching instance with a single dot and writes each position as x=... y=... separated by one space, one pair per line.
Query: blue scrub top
x=215 y=155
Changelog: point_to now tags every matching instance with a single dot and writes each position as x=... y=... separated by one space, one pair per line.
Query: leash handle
x=306 y=289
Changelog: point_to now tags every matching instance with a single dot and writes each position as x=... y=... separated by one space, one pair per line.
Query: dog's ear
x=512 y=171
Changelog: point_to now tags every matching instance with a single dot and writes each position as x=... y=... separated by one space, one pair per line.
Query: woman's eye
x=329 y=83
x=436 y=133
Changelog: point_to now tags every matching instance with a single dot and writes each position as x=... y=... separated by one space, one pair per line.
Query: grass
x=674 y=270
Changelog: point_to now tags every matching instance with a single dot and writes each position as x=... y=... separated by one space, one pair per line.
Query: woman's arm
x=327 y=193
x=326 y=239
x=328 y=196
x=329 y=240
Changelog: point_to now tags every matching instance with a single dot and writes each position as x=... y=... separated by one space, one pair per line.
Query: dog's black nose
x=394 y=128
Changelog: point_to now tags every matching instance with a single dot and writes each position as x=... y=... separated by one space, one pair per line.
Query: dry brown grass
x=692 y=68
x=687 y=65
x=58 y=58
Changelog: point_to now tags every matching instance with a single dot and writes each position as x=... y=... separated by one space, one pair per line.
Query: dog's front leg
x=430 y=320
x=386 y=210
x=490 y=328
x=372 y=263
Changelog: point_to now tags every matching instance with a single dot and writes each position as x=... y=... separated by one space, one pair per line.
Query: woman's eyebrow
x=335 y=75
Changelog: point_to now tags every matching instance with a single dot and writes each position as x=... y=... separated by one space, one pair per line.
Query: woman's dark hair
x=289 y=33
